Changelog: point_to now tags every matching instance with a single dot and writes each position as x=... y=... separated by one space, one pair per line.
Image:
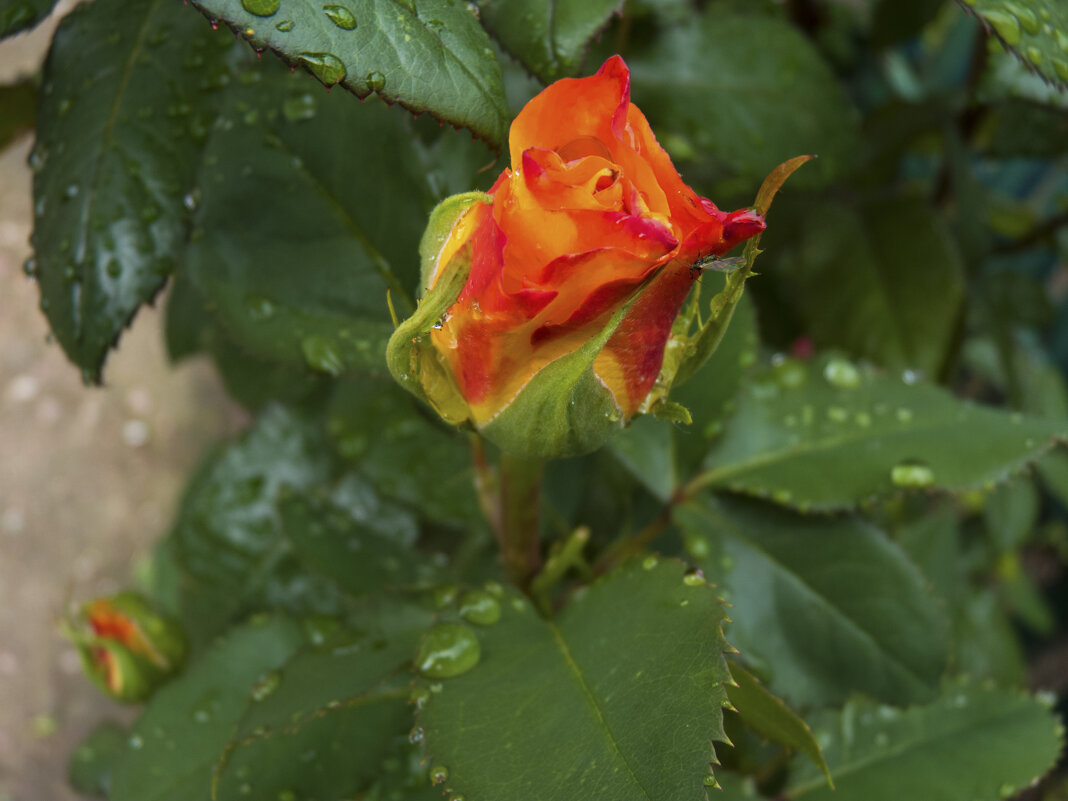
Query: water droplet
x=912 y=474
x=447 y=650
x=445 y=595
x=863 y=419
x=284 y=25
x=842 y=373
x=415 y=735
x=1061 y=68
x=191 y=199
x=261 y=8
x=695 y=578
x=267 y=684
x=321 y=354
x=136 y=742
x=419 y=697
x=1028 y=18
x=649 y=562
x=301 y=107
x=480 y=608
x=259 y=307
x=327 y=67
x=29 y=267
x=903 y=415
x=710 y=781
x=340 y=16
x=376 y=81
x=439 y=774
x=697 y=547
x=494 y=588
x=1006 y=790
x=1006 y=25
x=791 y=374
x=836 y=414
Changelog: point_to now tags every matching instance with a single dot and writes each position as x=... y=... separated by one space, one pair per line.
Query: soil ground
x=89 y=479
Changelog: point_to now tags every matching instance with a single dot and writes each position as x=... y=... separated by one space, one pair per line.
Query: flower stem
x=520 y=504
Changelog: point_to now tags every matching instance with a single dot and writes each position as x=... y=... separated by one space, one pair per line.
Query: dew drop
x=903 y=415
x=284 y=25
x=340 y=16
x=259 y=307
x=327 y=67
x=301 y=107
x=1028 y=18
x=649 y=562
x=445 y=595
x=1006 y=25
x=376 y=81
x=842 y=373
x=419 y=696
x=710 y=781
x=136 y=742
x=447 y=650
x=322 y=354
x=457 y=797
x=480 y=608
x=261 y=8
x=1061 y=68
x=697 y=547
x=415 y=735
x=912 y=474
x=494 y=588
x=439 y=774
x=267 y=684
x=695 y=578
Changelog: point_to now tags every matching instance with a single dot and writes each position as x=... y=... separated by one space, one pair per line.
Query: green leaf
x=885 y=282
x=237 y=550
x=130 y=88
x=186 y=725
x=406 y=457
x=18 y=15
x=325 y=728
x=623 y=704
x=1011 y=512
x=747 y=92
x=1036 y=33
x=771 y=718
x=550 y=37
x=297 y=239
x=647 y=449
x=981 y=744
x=431 y=56
x=18 y=105
x=838 y=434
x=709 y=394
x=823 y=606
x=93 y=761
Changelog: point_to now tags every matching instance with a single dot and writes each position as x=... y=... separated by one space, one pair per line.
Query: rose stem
x=519 y=534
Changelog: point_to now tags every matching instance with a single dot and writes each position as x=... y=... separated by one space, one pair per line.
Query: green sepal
x=118 y=672
x=687 y=352
x=564 y=409
x=411 y=357
x=439 y=228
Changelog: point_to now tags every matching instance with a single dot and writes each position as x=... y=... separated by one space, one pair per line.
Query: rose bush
x=579 y=257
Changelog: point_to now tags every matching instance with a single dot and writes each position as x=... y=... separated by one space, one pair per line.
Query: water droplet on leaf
x=376 y=81
x=340 y=16
x=261 y=8
x=447 y=650
x=267 y=684
x=327 y=67
x=480 y=608
x=912 y=474
x=842 y=373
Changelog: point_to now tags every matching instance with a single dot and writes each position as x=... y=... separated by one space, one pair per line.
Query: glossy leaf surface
x=626 y=704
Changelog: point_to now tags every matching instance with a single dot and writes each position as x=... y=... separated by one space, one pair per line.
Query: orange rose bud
x=550 y=301
x=127 y=648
